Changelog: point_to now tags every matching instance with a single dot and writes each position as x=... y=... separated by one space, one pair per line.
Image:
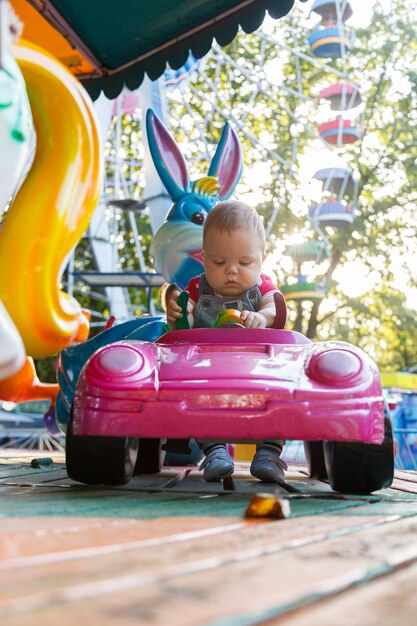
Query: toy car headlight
x=118 y=362
x=333 y=366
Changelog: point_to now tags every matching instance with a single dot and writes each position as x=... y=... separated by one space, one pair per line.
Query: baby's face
x=232 y=261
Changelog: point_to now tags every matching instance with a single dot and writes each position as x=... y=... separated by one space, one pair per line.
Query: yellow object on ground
x=52 y=208
x=268 y=505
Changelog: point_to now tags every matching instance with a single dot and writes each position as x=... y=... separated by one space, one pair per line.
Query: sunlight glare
x=355 y=279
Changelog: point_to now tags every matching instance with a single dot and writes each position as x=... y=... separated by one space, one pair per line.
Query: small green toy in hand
x=182 y=323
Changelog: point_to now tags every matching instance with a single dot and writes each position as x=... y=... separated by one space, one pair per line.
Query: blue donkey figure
x=176 y=247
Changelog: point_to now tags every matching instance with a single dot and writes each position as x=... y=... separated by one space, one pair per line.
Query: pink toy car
x=231 y=384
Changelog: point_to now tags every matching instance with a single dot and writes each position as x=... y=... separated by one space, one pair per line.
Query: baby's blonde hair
x=233 y=215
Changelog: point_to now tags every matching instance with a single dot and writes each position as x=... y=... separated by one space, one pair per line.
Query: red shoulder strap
x=280 y=310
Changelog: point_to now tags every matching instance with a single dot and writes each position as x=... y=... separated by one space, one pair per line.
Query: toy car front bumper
x=230 y=416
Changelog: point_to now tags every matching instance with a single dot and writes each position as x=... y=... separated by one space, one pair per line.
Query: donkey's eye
x=198 y=218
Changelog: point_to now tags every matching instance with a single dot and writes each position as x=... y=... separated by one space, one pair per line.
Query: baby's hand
x=174 y=311
x=251 y=319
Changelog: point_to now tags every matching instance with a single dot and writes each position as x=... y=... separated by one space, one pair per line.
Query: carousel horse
x=50 y=211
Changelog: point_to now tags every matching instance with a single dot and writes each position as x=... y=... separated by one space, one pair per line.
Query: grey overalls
x=209 y=306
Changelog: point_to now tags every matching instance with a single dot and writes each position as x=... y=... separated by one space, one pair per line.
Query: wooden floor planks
x=170 y=549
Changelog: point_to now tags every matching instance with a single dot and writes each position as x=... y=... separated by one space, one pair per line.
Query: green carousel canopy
x=112 y=44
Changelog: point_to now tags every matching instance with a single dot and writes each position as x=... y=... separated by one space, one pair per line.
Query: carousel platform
x=169 y=549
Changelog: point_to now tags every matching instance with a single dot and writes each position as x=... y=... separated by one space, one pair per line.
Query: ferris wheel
x=339 y=114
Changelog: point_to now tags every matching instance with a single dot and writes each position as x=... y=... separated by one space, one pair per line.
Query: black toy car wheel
x=150 y=458
x=314 y=454
x=360 y=468
x=100 y=460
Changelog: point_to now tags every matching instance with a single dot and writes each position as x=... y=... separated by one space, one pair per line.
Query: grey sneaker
x=217 y=464
x=267 y=465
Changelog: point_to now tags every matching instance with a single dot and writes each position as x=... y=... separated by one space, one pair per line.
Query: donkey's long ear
x=227 y=162
x=167 y=158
